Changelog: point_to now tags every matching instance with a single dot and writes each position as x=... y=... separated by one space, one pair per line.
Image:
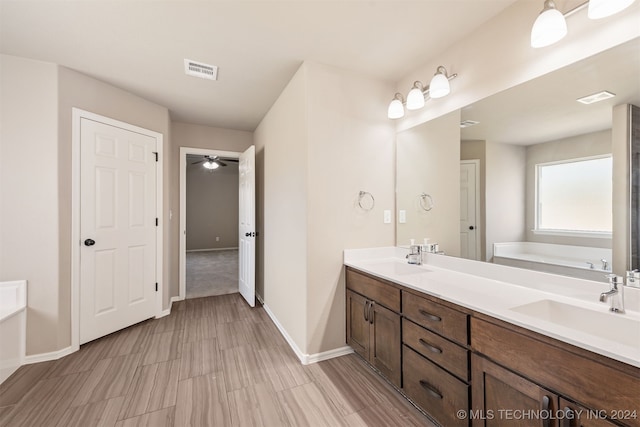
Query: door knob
x=471 y=227
x=250 y=234
x=89 y=242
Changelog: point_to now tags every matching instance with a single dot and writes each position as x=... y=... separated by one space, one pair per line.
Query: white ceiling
x=258 y=45
x=545 y=109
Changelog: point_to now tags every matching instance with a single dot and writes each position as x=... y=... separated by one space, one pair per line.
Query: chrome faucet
x=590 y=264
x=615 y=294
x=415 y=255
x=633 y=279
x=605 y=264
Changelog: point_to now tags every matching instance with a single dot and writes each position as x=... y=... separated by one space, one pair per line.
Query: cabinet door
x=358 y=335
x=575 y=415
x=386 y=343
x=502 y=398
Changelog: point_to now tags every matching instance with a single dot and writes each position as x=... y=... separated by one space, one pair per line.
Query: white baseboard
x=45 y=357
x=305 y=359
x=168 y=310
x=211 y=249
x=330 y=354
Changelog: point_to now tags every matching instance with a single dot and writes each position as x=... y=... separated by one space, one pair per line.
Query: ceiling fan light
x=210 y=165
x=550 y=26
x=396 y=109
x=603 y=8
x=439 y=86
x=415 y=98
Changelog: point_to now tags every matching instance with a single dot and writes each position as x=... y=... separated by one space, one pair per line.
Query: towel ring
x=426 y=202
x=362 y=196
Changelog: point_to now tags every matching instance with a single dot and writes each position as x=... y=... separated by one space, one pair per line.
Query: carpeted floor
x=212 y=273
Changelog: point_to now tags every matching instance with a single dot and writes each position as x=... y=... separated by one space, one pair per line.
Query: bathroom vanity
x=485 y=345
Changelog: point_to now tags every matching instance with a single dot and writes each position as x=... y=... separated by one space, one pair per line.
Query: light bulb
x=210 y=165
x=603 y=8
x=415 y=98
x=550 y=26
x=439 y=85
x=396 y=109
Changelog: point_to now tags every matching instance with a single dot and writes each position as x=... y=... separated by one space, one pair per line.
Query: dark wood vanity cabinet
x=449 y=360
x=435 y=360
x=373 y=331
x=514 y=368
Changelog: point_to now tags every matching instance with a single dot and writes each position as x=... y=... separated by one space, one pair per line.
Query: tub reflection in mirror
x=485 y=167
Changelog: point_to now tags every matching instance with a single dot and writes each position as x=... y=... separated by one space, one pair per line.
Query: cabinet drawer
x=439 y=393
x=450 y=356
x=436 y=317
x=378 y=291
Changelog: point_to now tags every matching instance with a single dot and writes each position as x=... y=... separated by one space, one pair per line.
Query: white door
x=469 y=237
x=247 y=228
x=117 y=228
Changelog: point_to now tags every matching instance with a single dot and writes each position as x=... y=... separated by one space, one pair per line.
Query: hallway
x=212 y=362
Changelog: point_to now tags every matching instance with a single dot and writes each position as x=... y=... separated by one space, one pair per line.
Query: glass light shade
x=415 y=99
x=603 y=8
x=439 y=86
x=396 y=110
x=549 y=28
x=210 y=165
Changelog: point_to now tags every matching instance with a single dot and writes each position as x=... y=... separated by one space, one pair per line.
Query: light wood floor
x=213 y=362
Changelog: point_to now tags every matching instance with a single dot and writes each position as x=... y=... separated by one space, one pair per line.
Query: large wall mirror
x=525 y=177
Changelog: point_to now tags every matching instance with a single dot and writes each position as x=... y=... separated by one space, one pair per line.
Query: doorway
x=208 y=222
x=469 y=209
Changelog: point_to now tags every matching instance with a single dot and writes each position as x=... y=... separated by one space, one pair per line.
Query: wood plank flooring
x=213 y=362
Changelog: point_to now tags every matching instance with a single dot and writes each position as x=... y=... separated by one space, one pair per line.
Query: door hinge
x=156 y=222
x=156 y=286
x=156 y=154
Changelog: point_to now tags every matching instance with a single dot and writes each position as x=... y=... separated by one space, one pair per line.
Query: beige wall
x=29 y=203
x=505 y=194
x=282 y=141
x=472 y=150
x=429 y=161
x=580 y=146
x=351 y=148
x=212 y=207
x=193 y=136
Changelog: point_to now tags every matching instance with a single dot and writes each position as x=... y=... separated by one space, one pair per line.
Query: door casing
x=182 y=269
x=77 y=116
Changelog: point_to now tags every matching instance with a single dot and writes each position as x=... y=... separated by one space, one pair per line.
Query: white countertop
x=495 y=290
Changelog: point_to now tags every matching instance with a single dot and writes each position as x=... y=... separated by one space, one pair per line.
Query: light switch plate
x=402 y=216
x=387 y=216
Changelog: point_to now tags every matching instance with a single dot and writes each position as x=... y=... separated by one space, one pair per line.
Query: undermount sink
x=398 y=268
x=620 y=328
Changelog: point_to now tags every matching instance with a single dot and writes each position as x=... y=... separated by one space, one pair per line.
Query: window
x=575 y=197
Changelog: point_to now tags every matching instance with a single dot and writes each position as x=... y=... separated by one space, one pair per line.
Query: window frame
x=556 y=232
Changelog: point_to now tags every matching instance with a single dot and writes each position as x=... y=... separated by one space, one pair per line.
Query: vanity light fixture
x=438 y=88
x=396 y=109
x=551 y=25
x=603 y=8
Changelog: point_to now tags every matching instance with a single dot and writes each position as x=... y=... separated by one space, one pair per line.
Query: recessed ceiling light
x=199 y=69
x=468 y=123
x=596 y=97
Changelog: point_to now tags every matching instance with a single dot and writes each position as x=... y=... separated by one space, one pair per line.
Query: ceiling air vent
x=468 y=123
x=596 y=97
x=198 y=69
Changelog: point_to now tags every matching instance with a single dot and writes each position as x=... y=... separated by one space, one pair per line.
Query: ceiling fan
x=213 y=162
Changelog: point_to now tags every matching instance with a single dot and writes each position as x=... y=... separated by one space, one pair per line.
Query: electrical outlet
x=387 y=216
x=217 y=239
x=402 y=216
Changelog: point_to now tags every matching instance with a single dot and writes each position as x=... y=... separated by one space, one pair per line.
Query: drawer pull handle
x=429 y=388
x=371 y=314
x=431 y=348
x=546 y=406
x=365 y=309
x=430 y=316
x=568 y=416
